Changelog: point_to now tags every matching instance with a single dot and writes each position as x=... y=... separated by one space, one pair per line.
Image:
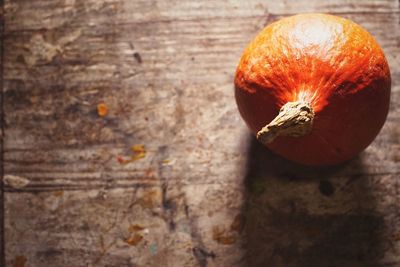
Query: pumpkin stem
x=294 y=119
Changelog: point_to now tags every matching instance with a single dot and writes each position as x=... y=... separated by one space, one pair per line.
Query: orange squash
x=314 y=88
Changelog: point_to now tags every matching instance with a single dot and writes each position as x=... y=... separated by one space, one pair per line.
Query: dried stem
x=294 y=119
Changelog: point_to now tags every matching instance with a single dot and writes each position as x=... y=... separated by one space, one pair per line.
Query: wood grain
x=205 y=194
x=2 y=202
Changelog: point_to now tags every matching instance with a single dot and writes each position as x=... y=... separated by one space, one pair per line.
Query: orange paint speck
x=102 y=109
x=134 y=240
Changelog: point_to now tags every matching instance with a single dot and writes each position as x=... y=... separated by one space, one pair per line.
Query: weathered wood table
x=79 y=189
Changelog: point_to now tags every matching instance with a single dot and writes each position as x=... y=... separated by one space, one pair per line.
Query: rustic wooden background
x=204 y=192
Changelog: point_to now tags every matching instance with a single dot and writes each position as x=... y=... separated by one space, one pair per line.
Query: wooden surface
x=206 y=193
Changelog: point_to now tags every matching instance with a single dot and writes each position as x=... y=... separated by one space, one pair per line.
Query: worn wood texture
x=2 y=240
x=206 y=193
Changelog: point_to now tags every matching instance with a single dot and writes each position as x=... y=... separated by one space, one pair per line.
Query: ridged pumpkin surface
x=328 y=61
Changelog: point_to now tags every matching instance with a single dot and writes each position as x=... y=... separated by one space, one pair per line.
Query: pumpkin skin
x=331 y=63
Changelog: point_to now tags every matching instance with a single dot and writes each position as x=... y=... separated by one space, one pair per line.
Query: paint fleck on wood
x=15 y=181
x=134 y=239
x=102 y=109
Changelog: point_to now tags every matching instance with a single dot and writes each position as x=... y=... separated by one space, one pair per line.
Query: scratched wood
x=205 y=193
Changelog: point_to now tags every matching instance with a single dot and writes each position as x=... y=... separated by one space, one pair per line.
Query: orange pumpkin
x=314 y=88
